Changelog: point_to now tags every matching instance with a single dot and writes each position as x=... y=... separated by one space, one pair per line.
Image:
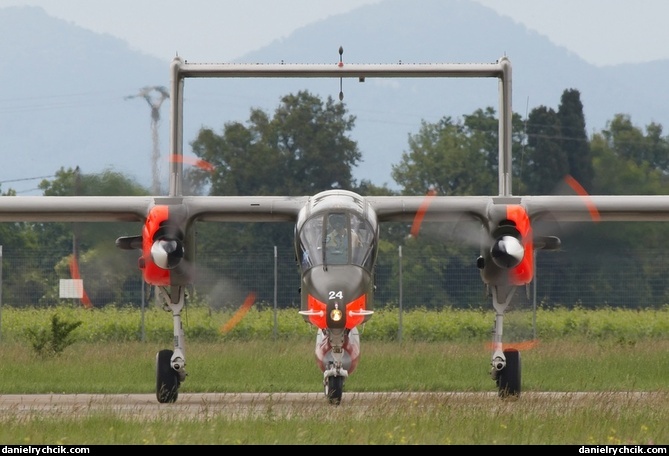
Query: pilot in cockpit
x=337 y=239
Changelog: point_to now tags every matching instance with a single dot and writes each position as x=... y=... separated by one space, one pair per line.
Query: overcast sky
x=602 y=32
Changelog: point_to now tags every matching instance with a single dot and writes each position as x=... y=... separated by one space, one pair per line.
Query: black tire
x=335 y=389
x=167 y=379
x=508 y=379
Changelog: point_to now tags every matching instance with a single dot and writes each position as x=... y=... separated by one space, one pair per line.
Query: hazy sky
x=602 y=32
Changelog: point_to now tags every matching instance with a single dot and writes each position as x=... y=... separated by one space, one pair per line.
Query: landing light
x=335 y=315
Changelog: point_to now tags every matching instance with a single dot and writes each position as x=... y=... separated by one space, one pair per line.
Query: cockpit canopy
x=336 y=238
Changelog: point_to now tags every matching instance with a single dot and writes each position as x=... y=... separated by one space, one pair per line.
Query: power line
x=25 y=179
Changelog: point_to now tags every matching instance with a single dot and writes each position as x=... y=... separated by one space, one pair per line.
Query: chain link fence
x=562 y=279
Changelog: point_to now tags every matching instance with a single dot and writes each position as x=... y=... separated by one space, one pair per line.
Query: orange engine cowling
x=162 y=246
x=524 y=271
x=509 y=258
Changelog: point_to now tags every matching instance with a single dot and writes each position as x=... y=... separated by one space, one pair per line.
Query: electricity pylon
x=154 y=103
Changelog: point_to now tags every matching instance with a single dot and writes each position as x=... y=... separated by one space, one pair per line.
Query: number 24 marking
x=335 y=295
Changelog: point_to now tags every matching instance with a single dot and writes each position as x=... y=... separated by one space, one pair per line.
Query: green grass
x=577 y=351
x=596 y=421
x=123 y=324
x=289 y=366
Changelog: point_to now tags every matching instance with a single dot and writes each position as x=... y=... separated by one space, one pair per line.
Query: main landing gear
x=506 y=369
x=171 y=364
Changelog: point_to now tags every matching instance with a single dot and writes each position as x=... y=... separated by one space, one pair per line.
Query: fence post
x=399 y=328
x=534 y=297
x=143 y=333
x=276 y=284
x=0 y=292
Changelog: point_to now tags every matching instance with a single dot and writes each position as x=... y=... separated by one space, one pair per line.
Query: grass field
x=605 y=361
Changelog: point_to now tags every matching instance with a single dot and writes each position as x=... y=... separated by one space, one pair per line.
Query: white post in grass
x=399 y=329
x=276 y=284
x=0 y=292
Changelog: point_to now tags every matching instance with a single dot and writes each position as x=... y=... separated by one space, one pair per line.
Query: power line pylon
x=155 y=103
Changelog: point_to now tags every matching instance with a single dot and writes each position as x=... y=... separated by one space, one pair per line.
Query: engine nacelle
x=509 y=259
x=163 y=246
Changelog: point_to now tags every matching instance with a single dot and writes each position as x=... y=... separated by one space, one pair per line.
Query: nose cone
x=507 y=252
x=167 y=254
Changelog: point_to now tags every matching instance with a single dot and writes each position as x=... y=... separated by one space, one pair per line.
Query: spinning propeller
x=510 y=229
x=167 y=244
x=506 y=233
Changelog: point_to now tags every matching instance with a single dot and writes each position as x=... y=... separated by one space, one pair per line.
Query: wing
x=137 y=208
x=610 y=208
x=607 y=208
x=438 y=209
x=74 y=208
x=285 y=208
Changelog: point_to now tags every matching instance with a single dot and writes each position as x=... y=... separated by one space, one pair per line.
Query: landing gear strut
x=506 y=369
x=171 y=364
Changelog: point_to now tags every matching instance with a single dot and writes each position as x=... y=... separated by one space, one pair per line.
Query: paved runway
x=243 y=405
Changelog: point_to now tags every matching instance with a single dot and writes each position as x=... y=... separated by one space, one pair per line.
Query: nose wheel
x=167 y=379
x=170 y=364
x=334 y=387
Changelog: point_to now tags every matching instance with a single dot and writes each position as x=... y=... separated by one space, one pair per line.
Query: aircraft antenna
x=341 y=64
x=155 y=104
x=524 y=140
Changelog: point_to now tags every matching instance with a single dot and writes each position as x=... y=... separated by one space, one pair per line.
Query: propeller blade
x=198 y=162
x=574 y=185
x=420 y=214
x=237 y=317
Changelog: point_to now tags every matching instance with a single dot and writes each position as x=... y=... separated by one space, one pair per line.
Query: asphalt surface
x=243 y=405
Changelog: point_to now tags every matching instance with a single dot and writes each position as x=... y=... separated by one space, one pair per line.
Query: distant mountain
x=64 y=88
x=62 y=99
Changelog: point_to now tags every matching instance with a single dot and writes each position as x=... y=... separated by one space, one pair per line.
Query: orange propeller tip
x=578 y=188
x=420 y=214
x=198 y=162
x=237 y=317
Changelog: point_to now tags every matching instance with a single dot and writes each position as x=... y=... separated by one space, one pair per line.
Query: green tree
x=546 y=161
x=482 y=128
x=575 y=139
x=625 y=161
x=447 y=158
x=627 y=141
x=301 y=150
x=451 y=158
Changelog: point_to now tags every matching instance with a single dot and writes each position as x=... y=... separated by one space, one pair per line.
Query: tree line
x=304 y=147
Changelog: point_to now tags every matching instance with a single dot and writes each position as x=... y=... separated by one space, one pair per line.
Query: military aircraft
x=336 y=230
